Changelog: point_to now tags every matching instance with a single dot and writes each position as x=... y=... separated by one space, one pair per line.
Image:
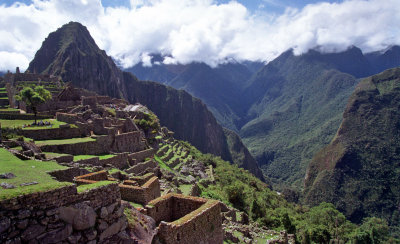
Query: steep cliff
x=70 y=52
x=359 y=170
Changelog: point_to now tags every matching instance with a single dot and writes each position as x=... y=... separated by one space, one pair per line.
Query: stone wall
x=63 y=215
x=141 y=167
x=91 y=177
x=24 y=116
x=81 y=148
x=55 y=105
x=184 y=219
x=119 y=161
x=128 y=142
x=95 y=161
x=68 y=118
x=52 y=133
x=69 y=174
x=142 y=155
x=13 y=77
x=141 y=194
x=90 y=101
x=142 y=179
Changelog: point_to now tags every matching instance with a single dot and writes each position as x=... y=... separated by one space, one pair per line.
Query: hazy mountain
x=71 y=53
x=386 y=59
x=218 y=87
x=359 y=170
x=295 y=106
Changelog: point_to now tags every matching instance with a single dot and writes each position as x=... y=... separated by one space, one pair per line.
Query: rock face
x=187 y=116
x=240 y=154
x=70 y=52
x=358 y=171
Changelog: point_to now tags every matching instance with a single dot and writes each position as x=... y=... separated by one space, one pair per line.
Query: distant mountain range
x=71 y=53
x=285 y=111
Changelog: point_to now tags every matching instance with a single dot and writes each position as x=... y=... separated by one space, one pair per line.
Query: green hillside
x=359 y=170
x=297 y=106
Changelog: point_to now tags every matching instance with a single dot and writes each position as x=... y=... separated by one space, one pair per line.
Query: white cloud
x=199 y=30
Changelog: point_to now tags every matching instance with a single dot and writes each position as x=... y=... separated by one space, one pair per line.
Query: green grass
x=136 y=205
x=4 y=98
x=19 y=123
x=9 y=109
x=65 y=141
x=53 y=155
x=87 y=187
x=162 y=164
x=185 y=189
x=115 y=170
x=25 y=172
x=131 y=217
x=81 y=157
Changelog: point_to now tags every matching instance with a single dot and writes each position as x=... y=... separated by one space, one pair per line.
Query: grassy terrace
x=25 y=172
x=88 y=187
x=64 y=141
x=80 y=157
x=19 y=123
x=8 y=109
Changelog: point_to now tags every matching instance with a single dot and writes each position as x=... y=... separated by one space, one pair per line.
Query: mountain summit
x=70 y=52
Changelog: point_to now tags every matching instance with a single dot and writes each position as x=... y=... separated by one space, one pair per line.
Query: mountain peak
x=71 y=53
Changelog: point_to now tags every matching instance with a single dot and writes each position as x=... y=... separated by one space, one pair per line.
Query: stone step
x=4 y=102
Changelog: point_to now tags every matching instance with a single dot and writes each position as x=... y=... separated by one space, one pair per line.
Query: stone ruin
x=96 y=216
x=186 y=219
x=135 y=189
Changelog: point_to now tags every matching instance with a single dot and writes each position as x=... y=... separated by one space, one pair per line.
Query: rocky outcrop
x=70 y=52
x=241 y=155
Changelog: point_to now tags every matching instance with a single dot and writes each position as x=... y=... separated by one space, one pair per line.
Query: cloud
x=200 y=30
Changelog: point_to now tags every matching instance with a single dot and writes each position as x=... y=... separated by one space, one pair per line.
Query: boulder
x=7 y=176
x=81 y=216
x=85 y=217
x=114 y=228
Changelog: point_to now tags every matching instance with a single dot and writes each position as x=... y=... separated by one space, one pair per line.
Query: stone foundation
x=69 y=174
x=63 y=216
x=184 y=219
x=141 y=167
x=142 y=155
x=142 y=193
x=52 y=133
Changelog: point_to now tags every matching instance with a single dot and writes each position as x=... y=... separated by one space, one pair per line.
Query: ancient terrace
x=67 y=179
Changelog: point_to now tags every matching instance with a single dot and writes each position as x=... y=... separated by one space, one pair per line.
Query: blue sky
x=201 y=30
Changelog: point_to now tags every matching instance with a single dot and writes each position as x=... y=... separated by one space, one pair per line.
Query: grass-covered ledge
x=27 y=172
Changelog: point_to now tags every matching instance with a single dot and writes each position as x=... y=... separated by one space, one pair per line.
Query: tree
x=33 y=97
